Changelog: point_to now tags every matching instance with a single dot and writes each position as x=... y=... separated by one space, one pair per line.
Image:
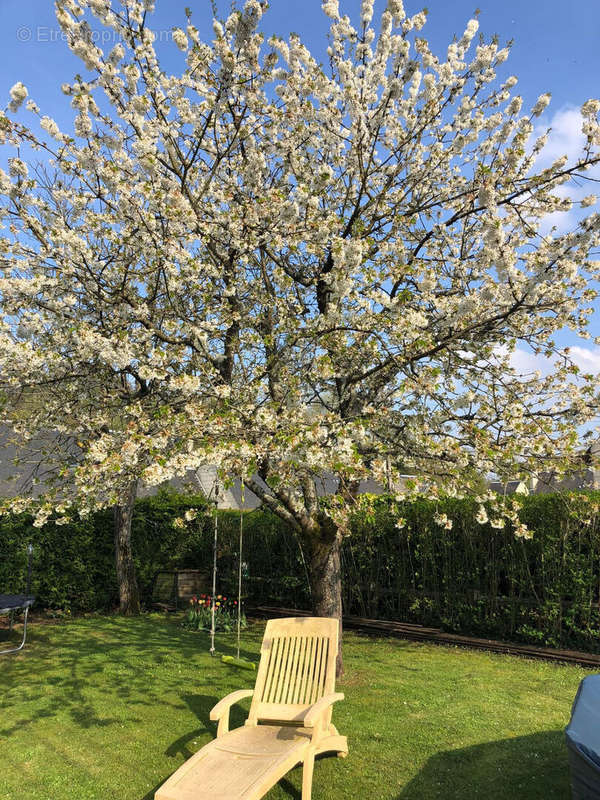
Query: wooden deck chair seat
x=289 y=721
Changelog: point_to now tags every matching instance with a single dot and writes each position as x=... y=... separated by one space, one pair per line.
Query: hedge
x=472 y=579
x=478 y=580
x=73 y=566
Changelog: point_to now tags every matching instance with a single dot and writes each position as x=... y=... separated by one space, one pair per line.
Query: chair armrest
x=220 y=712
x=315 y=711
x=229 y=700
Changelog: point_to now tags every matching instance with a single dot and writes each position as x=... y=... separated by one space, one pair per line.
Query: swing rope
x=238 y=661
x=214 y=580
x=239 y=607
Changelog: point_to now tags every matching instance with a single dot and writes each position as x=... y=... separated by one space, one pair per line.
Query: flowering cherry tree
x=287 y=269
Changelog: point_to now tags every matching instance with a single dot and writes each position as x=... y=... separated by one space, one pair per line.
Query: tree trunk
x=129 y=598
x=326 y=582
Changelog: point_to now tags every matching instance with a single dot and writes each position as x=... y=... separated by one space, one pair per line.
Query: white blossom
x=18 y=93
x=396 y=9
x=331 y=8
x=49 y=125
x=180 y=39
x=541 y=104
x=482 y=516
x=17 y=167
x=590 y=108
x=276 y=267
x=366 y=12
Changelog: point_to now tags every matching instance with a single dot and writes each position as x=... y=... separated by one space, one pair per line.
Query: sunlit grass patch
x=107 y=708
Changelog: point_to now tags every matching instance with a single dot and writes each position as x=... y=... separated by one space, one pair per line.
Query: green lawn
x=106 y=708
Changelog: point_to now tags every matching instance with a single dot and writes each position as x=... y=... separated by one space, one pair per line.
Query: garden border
x=405 y=630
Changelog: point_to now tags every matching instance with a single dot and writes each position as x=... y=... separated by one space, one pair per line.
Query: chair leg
x=333 y=744
x=333 y=731
x=307 y=775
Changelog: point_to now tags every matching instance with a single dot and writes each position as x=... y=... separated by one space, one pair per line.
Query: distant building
x=231 y=497
x=509 y=487
x=35 y=464
x=588 y=477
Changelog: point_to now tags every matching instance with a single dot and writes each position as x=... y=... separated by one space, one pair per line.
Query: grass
x=105 y=707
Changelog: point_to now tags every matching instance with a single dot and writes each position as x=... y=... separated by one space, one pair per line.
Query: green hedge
x=471 y=579
x=479 y=580
x=73 y=565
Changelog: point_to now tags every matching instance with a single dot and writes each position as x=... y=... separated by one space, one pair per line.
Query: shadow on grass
x=200 y=705
x=150 y=794
x=531 y=767
x=61 y=663
x=293 y=792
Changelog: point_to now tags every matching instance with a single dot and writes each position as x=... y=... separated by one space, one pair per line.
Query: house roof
x=35 y=460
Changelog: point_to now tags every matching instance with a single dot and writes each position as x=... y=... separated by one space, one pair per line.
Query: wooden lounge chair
x=289 y=721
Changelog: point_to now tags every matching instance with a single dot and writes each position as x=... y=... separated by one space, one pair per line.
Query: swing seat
x=289 y=721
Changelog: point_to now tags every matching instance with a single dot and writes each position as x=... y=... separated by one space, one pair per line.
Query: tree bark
x=324 y=567
x=322 y=543
x=129 y=597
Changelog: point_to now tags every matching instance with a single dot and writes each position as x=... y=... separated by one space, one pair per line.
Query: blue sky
x=556 y=45
x=556 y=49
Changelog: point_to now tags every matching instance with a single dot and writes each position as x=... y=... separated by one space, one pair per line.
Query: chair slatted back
x=297 y=667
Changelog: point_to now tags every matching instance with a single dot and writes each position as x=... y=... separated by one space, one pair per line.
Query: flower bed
x=199 y=614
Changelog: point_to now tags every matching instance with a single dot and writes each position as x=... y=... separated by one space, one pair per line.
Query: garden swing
x=289 y=722
x=237 y=660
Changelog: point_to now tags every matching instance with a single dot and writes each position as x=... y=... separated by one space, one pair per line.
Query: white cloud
x=565 y=139
x=526 y=362
x=587 y=360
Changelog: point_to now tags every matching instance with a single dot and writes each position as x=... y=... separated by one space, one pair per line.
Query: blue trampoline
x=13 y=604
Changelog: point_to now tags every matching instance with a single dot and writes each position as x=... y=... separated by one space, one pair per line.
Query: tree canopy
x=286 y=267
